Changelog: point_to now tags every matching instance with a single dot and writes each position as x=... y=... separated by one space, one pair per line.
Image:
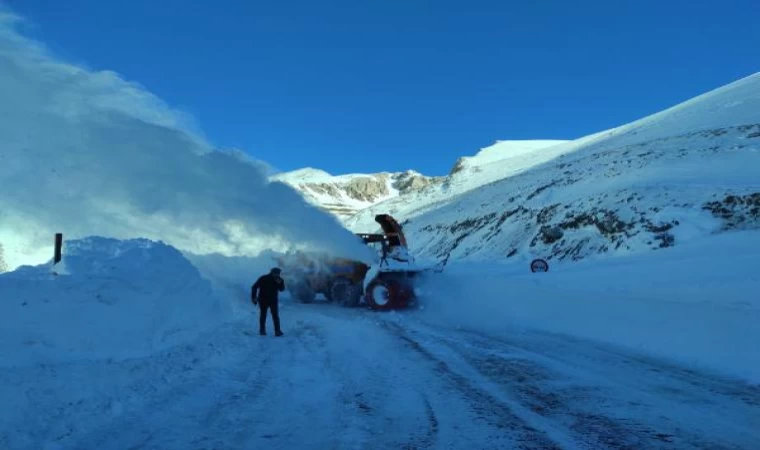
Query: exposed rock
x=666 y=239
x=471 y=224
x=540 y=190
x=412 y=181
x=546 y=214
x=737 y=211
x=611 y=224
x=458 y=166
x=331 y=192
x=368 y=188
x=661 y=228
x=323 y=188
x=550 y=235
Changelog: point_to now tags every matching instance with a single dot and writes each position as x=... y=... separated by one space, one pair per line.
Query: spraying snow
x=88 y=153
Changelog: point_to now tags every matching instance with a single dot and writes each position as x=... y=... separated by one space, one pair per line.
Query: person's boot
x=262 y=332
x=278 y=333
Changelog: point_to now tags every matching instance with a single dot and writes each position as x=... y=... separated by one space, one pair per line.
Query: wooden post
x=58 y=247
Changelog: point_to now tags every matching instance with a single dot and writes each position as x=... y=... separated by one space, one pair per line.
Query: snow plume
x=88 y=153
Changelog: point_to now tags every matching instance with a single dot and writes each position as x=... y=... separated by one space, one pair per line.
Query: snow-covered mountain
x=680 y=174
x=345 y=195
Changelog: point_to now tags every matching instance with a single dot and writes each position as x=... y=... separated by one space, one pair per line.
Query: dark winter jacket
x=267 y=288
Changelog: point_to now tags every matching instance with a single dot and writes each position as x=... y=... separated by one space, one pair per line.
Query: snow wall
x=112 y=300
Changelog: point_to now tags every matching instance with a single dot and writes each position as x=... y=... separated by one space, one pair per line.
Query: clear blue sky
x=409 y=84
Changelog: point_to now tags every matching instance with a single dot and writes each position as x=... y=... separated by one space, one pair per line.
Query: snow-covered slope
x=345 y=195
x=688 y=171
x=497 y=161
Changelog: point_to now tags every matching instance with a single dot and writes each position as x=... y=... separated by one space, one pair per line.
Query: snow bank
x=89 y=154
x=119 y=299
x=696 y=304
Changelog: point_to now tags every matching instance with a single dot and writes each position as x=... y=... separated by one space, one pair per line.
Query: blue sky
x=351 y=86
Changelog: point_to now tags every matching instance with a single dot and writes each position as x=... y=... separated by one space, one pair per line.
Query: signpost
x=539 y=265
x=57 y=254
x=58 y=247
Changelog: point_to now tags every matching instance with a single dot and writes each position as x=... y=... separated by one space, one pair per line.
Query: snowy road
x=349 y=379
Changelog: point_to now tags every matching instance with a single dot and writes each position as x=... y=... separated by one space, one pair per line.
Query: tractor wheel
x=303 y=293
x=345 y=292
x=327 y=292
x=385 y=294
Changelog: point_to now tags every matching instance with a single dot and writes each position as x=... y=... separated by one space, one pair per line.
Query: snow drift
x=695 y=304
x=87 y=153
x=115 y=299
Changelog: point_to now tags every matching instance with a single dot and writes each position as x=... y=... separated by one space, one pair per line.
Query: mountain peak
x=344 y=195
x=304 y=175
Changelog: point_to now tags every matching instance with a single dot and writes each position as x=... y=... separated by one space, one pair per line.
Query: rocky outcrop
x=412 y=181
x=737 y=211
x=368 y=189
x=328 y=189
x=458 y=166
x=345 y=195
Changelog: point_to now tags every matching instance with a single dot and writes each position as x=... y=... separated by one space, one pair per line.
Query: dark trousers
x=274 y=307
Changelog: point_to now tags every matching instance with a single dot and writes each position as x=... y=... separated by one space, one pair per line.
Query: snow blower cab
x=308 y=274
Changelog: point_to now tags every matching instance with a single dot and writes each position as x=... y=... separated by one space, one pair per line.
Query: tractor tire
x=303 y=293
x=327 y=292
x=385 y=294
x=345 y=293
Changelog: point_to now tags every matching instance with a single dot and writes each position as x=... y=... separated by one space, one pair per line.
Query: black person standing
x=266 y=292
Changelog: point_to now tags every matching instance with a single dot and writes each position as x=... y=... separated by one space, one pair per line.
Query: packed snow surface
x=695 y=304
x=128 y=347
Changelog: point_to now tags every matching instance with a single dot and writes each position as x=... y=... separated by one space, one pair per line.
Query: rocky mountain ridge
x=678 y=175
x=345 y=195
x=674 y=176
